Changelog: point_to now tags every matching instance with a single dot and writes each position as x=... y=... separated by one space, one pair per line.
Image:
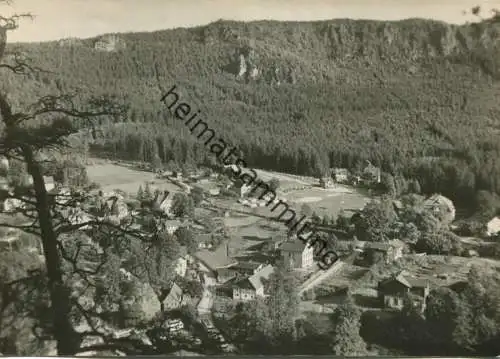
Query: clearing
x=437 y=269
x=328 y=201
x=125 y=178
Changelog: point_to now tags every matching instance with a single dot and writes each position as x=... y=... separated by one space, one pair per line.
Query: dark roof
x=371 y=168
x=230 y=283
x=383 y=246
x=245 y=265
x=225 y=272
x=407 y=281
x=341 y=171
x=244 y=284
x=398 y=204
x=175 y=293
x=214 y=259
x=417 y=282
x=378 y=246
x=293 y=246
x=255 y=281
x=459 y=286
x=203 y=237
x=264 y=273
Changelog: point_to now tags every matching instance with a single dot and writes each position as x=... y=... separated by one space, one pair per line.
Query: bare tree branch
x=21 y=65
x=12 y=22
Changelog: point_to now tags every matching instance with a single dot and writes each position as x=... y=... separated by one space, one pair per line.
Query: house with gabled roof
x=372 y=173
x=163 y=201
x=115 y=206
x=174 y=298
x=392 y=291
x=441 y=206
x=326 y=182
x=245 y=267
x=387 y=251
x=171 y=225
x=493 y=226
x=340 y=175
x=252 y=287
x=11 y=204
x=245 y=189
x=50 y=184
x=210 y=262
x=297 y=253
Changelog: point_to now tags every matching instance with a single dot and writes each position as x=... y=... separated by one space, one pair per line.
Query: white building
x=340 y=175
x=493 y=227
x=174 y=298
x=171 y=226
x=11 y=204
x=163 y=202
x=441 y=207
x=214 y=191
x=181 y=267
x=49 y=183
x=297 y=253
x=4 y=163
x=76 y=216
x=245 y=189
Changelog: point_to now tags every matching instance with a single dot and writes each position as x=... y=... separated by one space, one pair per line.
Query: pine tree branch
x=12 y=22
x=21 y=65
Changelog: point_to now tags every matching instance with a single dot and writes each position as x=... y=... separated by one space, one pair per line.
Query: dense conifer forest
x=418 y=97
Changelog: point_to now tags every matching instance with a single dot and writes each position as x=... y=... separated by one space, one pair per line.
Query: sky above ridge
x=56 y=19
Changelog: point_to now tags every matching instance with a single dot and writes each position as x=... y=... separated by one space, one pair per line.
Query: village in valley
x=360 y=215
x=229 y=244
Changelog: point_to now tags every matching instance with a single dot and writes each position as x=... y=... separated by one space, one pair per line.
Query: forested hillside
x=419 y=97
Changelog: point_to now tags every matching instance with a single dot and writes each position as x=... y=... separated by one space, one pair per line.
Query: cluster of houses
x=110 y=206
x=369 y=176
x=253 y=202
x=245 y=280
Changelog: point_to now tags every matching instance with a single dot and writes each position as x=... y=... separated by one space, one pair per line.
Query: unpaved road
x=207 y=299
x=317 y=279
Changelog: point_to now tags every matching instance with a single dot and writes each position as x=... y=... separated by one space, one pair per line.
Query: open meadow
x=111 y=176
x=328 y=201
x=286 y=180
x=300 y=190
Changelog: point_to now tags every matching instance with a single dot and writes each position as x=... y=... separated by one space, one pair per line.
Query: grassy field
x=438 y=270
x=323 y=201
x=286 y=180
x=112 y=176
x=250 y=231
x=328 y=201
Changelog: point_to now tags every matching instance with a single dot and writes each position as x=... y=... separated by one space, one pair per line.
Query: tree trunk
x=68 y=340
x=162 y=307
x=161 y=295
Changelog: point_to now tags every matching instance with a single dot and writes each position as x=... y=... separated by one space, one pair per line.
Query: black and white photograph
x=250 y=178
